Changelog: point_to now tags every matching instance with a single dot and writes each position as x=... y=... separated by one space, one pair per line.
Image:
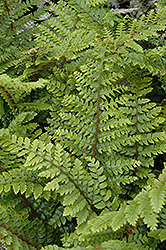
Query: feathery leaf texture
x=87 y=171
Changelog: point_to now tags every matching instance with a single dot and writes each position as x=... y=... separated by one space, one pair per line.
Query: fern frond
x=18 y=29
x=90 y=15
x=91 y=176
x=81 y=191
x=10 y=222
x=112 y=245
x=147 y=204
x=13 y=90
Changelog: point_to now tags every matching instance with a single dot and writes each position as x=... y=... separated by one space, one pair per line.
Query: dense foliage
x=82 y=116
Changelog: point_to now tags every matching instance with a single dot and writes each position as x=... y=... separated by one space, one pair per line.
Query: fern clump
x=83 y=169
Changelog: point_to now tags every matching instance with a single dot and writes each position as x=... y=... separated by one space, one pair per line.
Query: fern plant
x=18 y=26
x=86 y=180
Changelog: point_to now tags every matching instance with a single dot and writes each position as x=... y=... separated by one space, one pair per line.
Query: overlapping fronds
x=112 y=245
x=13 y=90
x=84 y=168
x=146 y=206
x=17 y=29
x=17 y=231
x=83 y=192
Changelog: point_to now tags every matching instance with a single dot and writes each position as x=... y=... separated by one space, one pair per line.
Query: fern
x=18 y=29
x=86 y=173
x=147 y=204
x=13 y=90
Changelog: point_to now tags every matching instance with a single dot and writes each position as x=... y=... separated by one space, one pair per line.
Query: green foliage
x=14 y=90
x=17 y=29
x=84 y=177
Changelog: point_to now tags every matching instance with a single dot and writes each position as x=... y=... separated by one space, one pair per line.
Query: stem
x=97 y=246
x=75 y=24
x=98 y=104
x=2 y=169
x=97 y=122
x=31 y=207
x=70 y=179
x=75 y=184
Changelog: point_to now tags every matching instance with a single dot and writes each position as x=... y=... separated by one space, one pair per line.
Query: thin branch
x=98 y=104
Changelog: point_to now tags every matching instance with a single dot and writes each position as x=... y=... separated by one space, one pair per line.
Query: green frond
x=13 y=90
x=147 y=204
x=81 y=191
x=20 y=181
x=11 y=222
x=21 y=124
x=159 y=234
x=112 y=245
x=80 y=135
x=149 y=217
x=91 y=16
x=17 y=31
x=95 y=2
